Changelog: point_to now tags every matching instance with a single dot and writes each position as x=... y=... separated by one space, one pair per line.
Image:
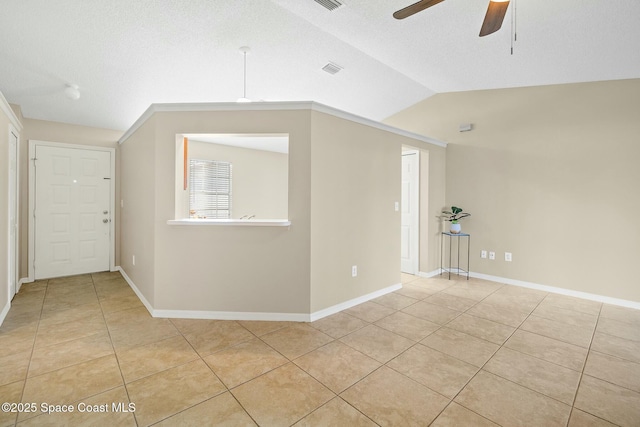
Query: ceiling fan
x=492 y=20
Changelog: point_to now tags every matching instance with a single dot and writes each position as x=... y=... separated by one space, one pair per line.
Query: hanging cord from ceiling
x=514 y=24
x=244 y=87
x=244 y=50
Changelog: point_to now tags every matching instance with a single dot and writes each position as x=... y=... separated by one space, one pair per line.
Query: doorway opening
x=410 y=212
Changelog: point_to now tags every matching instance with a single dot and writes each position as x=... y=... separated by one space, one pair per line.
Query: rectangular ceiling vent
x=331 y=68
x=329 y=4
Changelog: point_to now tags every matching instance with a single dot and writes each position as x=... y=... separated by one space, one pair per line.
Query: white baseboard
x=136 y=290
x=22 y=282
x=231 y=315
x=561 y=291
x=429 y=274
x=4 y=312
x=246 y=315
x=216 y=315
x=352 y=302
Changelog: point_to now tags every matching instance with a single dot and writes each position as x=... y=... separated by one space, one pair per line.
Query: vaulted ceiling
x=126 y=54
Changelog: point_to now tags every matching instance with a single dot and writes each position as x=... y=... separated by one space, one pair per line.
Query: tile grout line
x=385 y=364
x=33 y=346
x=382 y=364
x=333 y=339
x=115 y=353
x=289 y=360
x=338 y=395
x=75 y=364
x=230 y=389
x=487 y=361
x=201 y=358
x=584 y=366
x=419 y=342
x=538 y=392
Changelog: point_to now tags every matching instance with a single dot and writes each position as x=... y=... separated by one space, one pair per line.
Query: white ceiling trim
x=273 y=106
x=6 y=108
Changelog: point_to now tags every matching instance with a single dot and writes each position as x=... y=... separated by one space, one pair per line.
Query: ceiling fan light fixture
x=72 y=92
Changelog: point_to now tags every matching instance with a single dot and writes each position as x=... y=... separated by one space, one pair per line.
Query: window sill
x=233 y=222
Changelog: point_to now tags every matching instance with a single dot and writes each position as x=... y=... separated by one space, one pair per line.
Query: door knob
x=105 y=220
x=105 y=212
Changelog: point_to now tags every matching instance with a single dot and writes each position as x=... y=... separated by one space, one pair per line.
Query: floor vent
x=329 y=4
x=331 y=68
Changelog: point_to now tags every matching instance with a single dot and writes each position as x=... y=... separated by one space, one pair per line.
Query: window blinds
x=209 y=189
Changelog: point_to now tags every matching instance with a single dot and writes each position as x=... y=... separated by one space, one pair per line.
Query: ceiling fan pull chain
x=514 y=32
x=515 y=22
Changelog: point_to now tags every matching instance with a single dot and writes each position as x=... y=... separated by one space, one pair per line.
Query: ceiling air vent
x=329 y=4
x=331 y=68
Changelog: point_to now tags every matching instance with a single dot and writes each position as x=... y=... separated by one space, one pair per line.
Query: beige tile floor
x=436 y=352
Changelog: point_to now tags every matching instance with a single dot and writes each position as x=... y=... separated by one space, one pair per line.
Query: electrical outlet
x=354 y=271
x=483 y=254
x=492 y=256
x=507 y=256
x=397 y=206
x=133 y=260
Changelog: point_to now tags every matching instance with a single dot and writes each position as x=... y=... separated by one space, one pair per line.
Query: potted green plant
x=453 y=216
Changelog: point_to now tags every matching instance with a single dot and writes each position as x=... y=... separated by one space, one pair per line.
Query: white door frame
x=415 y=219
x=32 y=197
x=13 y=204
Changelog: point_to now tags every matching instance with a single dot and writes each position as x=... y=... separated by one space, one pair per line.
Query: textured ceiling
x=126 y=54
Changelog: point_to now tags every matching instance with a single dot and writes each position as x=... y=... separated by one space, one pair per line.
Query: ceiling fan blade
x=494 y=17
x=415 y=8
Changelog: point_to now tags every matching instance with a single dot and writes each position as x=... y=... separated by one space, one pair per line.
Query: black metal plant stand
x=458 y=270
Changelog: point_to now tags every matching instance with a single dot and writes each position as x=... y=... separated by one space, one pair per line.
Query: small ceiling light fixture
x=72 y=92
x=244 y=50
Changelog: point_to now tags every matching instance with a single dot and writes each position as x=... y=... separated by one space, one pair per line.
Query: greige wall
x=344 y=179
x=138 y=211
x=215 y=268
x=550 y=174
x=42 y=130
x=260 y=178
x=355 y=182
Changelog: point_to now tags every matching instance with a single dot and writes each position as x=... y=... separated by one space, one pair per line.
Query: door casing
x=112 y=198
x=13 y=212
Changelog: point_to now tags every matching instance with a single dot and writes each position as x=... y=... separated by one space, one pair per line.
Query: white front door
x=13 y=213
x=410 y=212
x=72 y=211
